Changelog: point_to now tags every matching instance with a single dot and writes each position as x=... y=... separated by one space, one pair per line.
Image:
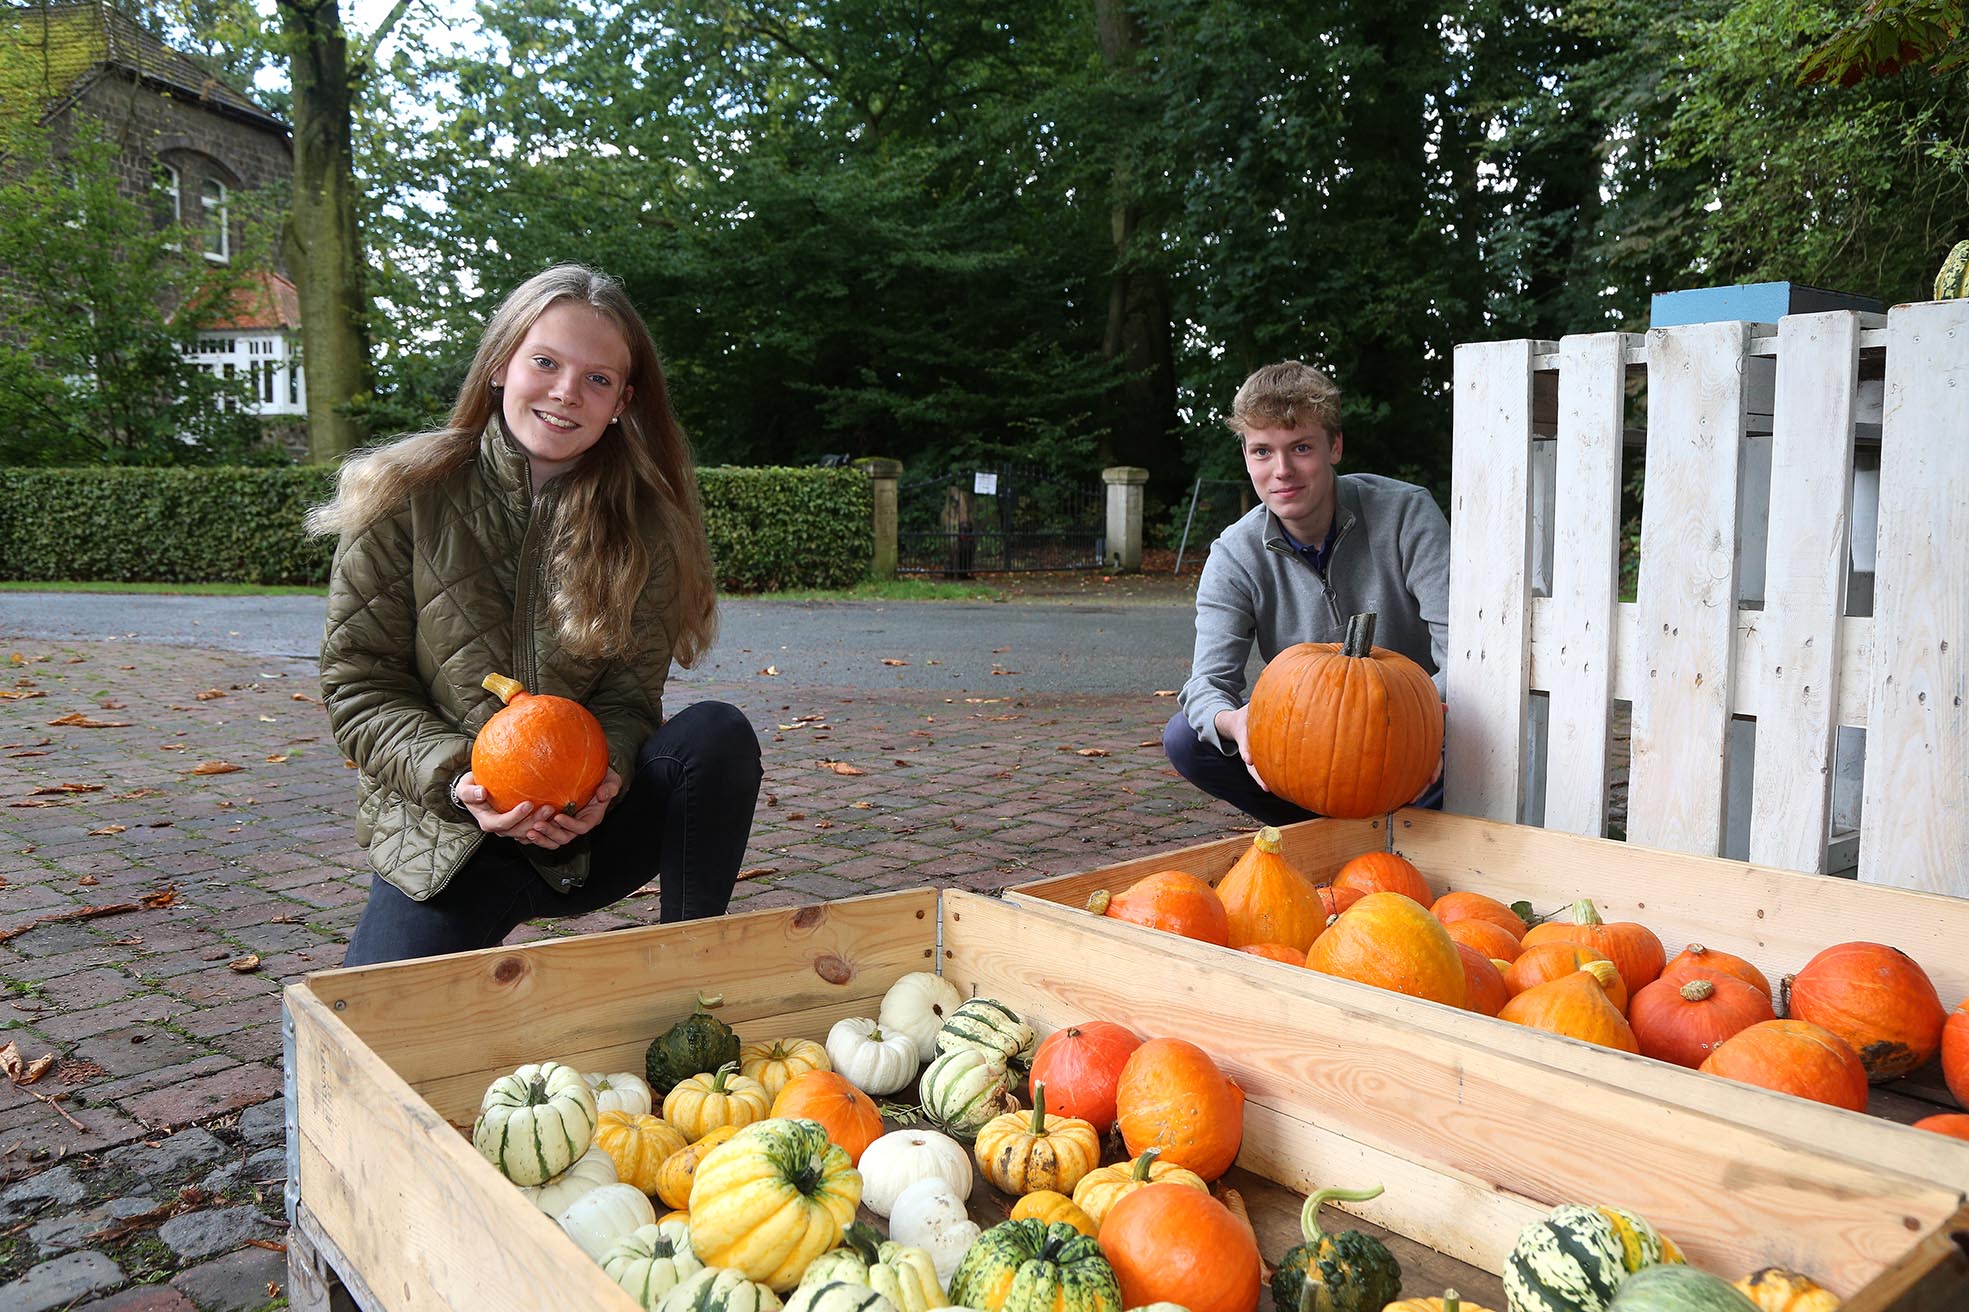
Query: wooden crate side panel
x=1794 y=678
x=610 y=994
x=1316 y=848
x=1687 y=592
x=426 y=1221
x=1776 y=919
x=1914 y=817
x=1725 y=1172
x=1490 y=562
x=1933 y=1276
x=1585 y=580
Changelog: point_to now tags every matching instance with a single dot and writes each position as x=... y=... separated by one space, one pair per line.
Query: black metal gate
x=1009 y=519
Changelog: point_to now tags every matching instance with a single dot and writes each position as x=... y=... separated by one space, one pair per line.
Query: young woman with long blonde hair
x=549 y=531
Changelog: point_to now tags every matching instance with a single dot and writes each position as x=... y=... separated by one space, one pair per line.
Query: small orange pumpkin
x=1877 y=999
x=1632 y=947
x=1955 y=1054
x=1776 y=1289
x=1170 y=900
x=1698 y=962
x=1345 y=729
x=1391 y=941
x=1384 y=872
x=1080 y=1067
x=1483 y=982
x=542 y=749
x=1493 y=940
x=1953 y=1124
x=1794 y=1057
x=673 y=1178
x=1052 y=1207
x=1169 y=1244
x=1464 y=905
x=849 y=1116
x=638 y=1143
x=1100 y=1189
x=1685 y=1022
x=1173 y=1097
x=1267 y=900
x=1542 y=963
x=1576 y=1006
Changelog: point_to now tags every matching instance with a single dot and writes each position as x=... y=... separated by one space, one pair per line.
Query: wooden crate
x=387 y=1062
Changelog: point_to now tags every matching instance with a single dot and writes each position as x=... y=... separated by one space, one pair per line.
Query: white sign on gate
x=984 y=485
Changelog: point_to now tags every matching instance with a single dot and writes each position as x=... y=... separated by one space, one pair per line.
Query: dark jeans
x=687 y=816
x=1225 y=778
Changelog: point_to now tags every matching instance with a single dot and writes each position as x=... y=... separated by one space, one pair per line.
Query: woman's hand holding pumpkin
x=539 y=826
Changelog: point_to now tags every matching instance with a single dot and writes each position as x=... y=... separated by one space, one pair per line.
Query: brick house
x=190 y=144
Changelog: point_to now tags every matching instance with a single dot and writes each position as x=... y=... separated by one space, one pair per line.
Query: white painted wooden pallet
x=1793 y=475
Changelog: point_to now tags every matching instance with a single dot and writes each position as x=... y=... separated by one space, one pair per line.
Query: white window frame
x=217 y=215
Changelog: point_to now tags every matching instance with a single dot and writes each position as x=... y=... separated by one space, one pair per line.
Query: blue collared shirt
x=1316 y=556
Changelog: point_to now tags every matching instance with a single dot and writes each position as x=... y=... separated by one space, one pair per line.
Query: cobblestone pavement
x=176 y=845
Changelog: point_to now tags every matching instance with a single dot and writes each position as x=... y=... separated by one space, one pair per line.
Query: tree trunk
x=322 y=243
x=1138 y=337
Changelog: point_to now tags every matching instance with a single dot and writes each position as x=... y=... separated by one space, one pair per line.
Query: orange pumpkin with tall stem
x=539 y=749
x=1267 y=900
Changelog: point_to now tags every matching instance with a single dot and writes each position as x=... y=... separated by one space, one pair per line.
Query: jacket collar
x=1346 y=514
x=504 y=465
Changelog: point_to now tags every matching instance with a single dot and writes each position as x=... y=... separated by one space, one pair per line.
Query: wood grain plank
x=1739 y=1175
x=1914 y=816
x=1585 y=586
x=1794 y=679
x=1933 y=1276
x=1687 y=592
x=1490 y=554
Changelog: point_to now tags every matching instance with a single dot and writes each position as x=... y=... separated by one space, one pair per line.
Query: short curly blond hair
x=1290 y=394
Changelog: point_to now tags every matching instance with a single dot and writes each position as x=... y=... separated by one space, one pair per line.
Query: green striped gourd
x=719 y=1289
x=534 y=1123
x=992 y=1028
x=1953 y=281
x=652 y=1261
x=838 y=1296
x=1678 y=1289
x=962 y=1090
x=1029 y=1266
x=1574 y=1258
x=904 y=1275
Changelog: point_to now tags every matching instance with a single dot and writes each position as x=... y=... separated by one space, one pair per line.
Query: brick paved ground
x=201 y=793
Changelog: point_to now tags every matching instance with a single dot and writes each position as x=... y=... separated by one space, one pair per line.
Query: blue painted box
x=1756 y=302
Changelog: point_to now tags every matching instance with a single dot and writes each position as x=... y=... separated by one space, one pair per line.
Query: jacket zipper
x=526 y=659
x=1326 y=586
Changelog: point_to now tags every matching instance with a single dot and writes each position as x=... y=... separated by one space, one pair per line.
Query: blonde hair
x=631 y=500
x=1289 y=394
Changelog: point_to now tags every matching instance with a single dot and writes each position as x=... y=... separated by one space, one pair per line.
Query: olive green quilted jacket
x=423 y=604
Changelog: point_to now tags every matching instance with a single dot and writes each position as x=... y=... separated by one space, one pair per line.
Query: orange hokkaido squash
x=1545 y=962
x=542 y=749
x=1795 y=1057
x=1384 y=872
x=1483 y=982
x=1462 y=904
x=849 y=1116
x=1392 y=942
x=1169 y=1244
x=1632 y=947
x=1491 y=939
x=1953 y=1124
x=1171 y=900
x=1576 y=1006
x=1955 y=1054
x=1685 y=1022
x=1173 y=1097
x=1267 y=900
x=1698 y=962
x=1346 y=729
x=1877 y=999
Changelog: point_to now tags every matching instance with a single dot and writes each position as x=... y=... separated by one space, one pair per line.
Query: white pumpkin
x=918 y=1004
x=591 y=1170
x=900 y=1158
x=605 y=1215
x=652 y=1261
x=929 y=1215
x=722 y=1288
x=874 y=1060
x=533 y=1123
x=622 y=1092
x=838 y=1296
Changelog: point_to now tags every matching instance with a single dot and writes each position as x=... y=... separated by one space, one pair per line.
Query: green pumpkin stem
x=1309 y=1214
x=1585 y=913
x=1360 y=636
x=864 y=1239
x=724 y=1073
x=707 y=1002
x=536 y=1091
x=1452 y=1301
x=1039 y=1109
x=1143 y=1163
x=503 y=688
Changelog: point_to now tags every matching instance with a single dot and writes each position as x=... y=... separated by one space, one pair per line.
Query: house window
x=218 y=243
x=169 y=200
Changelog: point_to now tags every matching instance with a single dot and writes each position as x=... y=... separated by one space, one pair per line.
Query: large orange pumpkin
x=1684 y=1022
x=1171 y=900
x=1345 y=729
x=1267 y=900
x=1392 y=942
x=1576 y=1006
x=1173 y=1097
x=1080 y=1067
x=1630 y=946
x=1795 y=1057
x=1955 y=1054
x=849 y=1116
x=1878 y=1000
x=1169 y=1243
x=542 y=749
x=1545 y=962
x=1461 y=904
x=1384 y=872
x=1698 y=962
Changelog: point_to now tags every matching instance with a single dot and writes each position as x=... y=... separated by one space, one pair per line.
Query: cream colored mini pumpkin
x=652 y=1261
x=591 y=1170
x=605 y=1215
x=777 y=1063
x=917 y=1005
x=622 y=1092
x=874 y=1060
x=900 y=1158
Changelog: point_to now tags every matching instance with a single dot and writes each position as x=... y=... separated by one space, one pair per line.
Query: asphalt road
x=1037 y=647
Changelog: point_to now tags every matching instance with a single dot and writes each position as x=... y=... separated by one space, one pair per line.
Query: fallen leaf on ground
x=215 y=767
x=136 y=793
x=171 y=747
x=1165 y=692
x=757 y=872
x=842 y=767
x=43 y=742
x=1002 y=673
x=900 y=761
x=1150 y=742
x=40 y=801
x=75 y=1072
x=1093 y=751
x=276 y=758
x=162 y=898
x=210 y=694
x=88 y=881
x=890 y=660
x=796 y=815
x=303 y=697
x=771 y=671
x=999 y=651
x=282 y=919
x=77 y=720
x=108 y=705
x=823 y=824
x=51 y=789
x=19 y=1071
x=862 y=806
x=22 y=756
x=129 y=941
x=245 y=965
x=11 y=696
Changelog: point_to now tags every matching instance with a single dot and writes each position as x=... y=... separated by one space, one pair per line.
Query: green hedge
x=769 y=528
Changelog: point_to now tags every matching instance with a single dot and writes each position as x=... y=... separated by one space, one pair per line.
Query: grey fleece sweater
x=1390 y=556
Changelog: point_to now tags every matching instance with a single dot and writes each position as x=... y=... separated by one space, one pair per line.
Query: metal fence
x=1008 y=519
